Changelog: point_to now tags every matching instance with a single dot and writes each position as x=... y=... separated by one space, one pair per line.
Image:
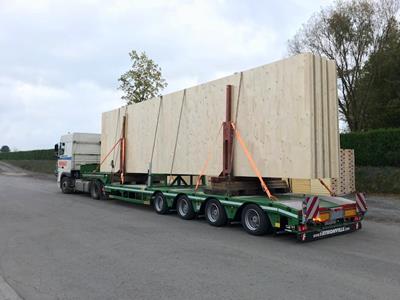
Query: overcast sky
x=60 y=60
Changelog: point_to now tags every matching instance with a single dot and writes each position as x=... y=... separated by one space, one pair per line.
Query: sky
x=60 y=60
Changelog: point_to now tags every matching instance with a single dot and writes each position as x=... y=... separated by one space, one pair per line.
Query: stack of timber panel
x=343 y=185
x=286 y=113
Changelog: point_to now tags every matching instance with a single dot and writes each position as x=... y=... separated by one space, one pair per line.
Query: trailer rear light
x=348 y=213
x=303 y=227
x=322 y=217
x=356 y=218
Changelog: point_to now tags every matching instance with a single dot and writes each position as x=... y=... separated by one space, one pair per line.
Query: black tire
x=96 y=190
x=255 y=221
x=215 y=213
x=66 y=185
x=160 y=204
x=184 y=208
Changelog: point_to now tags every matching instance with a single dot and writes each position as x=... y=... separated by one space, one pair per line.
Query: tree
x=380 y=83
x=4 y=149
x=143 y=81
x=349 y=33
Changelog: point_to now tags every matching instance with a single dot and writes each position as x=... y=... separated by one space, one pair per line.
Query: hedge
x=379 y=147
x=47 y=154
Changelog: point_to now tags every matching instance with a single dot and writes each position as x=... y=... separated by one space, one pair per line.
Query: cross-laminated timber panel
x=286 y=112
x=343 y=185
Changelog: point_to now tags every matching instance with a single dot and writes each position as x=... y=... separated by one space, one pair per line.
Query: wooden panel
x=141 y=126
x=334 y=142
x=280 y=116
x=318 y=133
x=274 y=118
x=342 y=185
x=111 y=126
x=300 y=186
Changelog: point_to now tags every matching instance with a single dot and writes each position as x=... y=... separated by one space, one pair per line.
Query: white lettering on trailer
x=331 y=231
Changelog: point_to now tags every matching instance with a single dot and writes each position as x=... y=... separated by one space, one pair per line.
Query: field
x=39 y=166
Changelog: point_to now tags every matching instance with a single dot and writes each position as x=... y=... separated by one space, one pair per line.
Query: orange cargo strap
x=209 y=156
x=252 y=163
x=108 y=154
x=326 y=186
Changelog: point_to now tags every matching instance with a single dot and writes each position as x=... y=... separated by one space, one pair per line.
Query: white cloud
x=61 y=59
x=34 y=115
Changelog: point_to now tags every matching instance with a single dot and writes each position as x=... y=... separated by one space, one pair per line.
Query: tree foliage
x=350 y=32
x=378 y=147
x=143 y=80
x=5 y=149
x=379 y=84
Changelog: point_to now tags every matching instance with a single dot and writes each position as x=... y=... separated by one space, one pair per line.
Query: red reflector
x=356 y=218
x=303 y=227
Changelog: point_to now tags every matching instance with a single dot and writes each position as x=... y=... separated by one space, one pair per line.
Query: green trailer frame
x=285 y=214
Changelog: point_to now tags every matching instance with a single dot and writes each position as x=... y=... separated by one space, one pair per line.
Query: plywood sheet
x=284 y=115
x=342 y=185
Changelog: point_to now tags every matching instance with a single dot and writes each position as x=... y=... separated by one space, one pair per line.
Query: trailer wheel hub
x=213 y=212
x=252 y=219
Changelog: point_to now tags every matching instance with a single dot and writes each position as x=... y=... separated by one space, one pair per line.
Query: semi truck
x=261 y=205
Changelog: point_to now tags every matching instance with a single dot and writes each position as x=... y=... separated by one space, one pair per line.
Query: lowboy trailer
x=309 y=217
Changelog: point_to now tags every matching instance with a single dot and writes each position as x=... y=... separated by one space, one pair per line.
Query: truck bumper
x=328 y=231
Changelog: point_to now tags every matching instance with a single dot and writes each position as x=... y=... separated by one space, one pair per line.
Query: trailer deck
x=286 y=214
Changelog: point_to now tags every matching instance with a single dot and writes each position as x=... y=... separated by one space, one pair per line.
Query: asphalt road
x=55 y=246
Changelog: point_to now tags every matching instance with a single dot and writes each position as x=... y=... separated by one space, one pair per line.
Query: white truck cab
x=73 y=151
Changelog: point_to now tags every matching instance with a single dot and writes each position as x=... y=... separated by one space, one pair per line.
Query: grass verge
x=39 y=166
x=378 y=180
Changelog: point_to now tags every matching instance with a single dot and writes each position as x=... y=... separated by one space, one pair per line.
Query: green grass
x=39 y=166
x=42 y=154
x=378 y=179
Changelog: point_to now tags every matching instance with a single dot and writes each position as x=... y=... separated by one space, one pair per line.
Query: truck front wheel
x=66 y=185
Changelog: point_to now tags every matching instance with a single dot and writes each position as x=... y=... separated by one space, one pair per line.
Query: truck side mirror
x=56 y=149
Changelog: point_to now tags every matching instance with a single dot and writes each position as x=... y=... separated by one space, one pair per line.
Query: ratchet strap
x=108 y=154
x=326 y=187
x=209 y=156
x=252 y=163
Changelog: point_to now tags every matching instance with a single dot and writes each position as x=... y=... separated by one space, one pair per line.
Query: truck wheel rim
x=183 y=207
x=159 y=203
x=213 y=212
x=252 y=219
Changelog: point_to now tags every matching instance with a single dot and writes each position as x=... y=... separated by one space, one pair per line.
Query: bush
x=378 y=180
x=47 y=154
x=380 y=147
